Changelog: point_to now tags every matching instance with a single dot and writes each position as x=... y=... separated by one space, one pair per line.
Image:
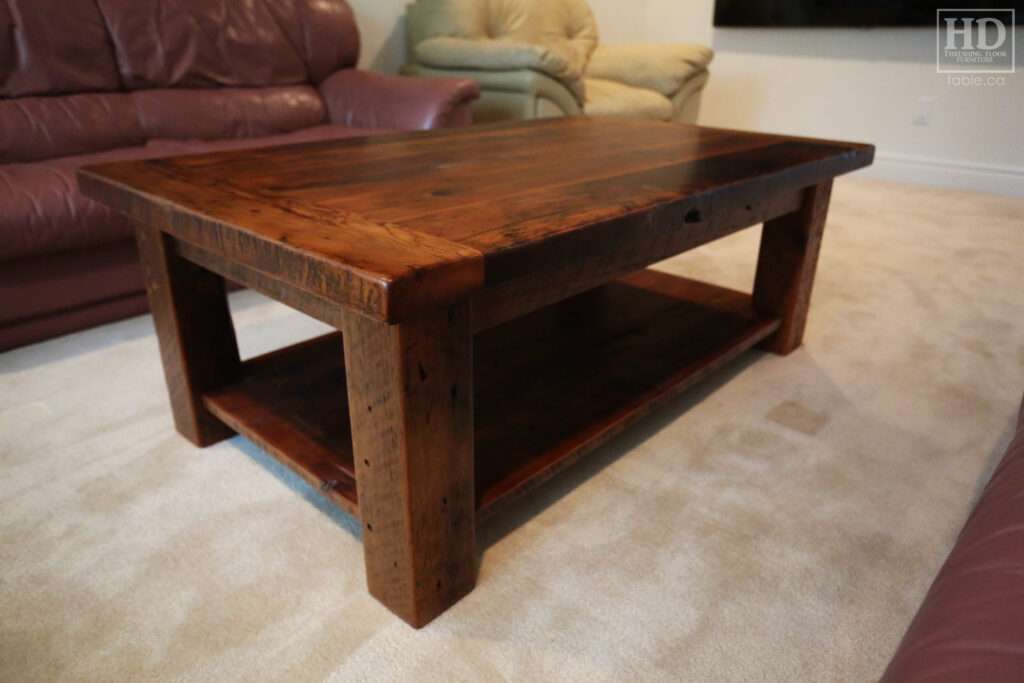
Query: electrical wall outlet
x=925 y=111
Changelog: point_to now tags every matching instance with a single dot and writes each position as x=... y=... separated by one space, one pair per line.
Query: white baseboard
x=960 y=175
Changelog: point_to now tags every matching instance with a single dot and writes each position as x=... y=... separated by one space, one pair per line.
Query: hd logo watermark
x=971 y=42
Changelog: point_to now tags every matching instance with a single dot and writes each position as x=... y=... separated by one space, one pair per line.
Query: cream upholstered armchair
x=540 y=58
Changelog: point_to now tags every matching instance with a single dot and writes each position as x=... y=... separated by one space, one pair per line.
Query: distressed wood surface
x=410 y=398
x=396 y=226
x=786 y=263
x=598 y=362
x=420 y=247
x=291 y=403
x=193 y=327
x=313 y=305
x=581 y=270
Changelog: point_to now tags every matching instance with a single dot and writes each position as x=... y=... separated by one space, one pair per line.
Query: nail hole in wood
x=692 y=216
x=438 y=584
x=366 y=462
x=369 y=409
x=444 y=501
x=369 y=527
x=423 y=373
x=455 y=390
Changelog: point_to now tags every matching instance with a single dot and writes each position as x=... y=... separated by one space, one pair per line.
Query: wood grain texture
x=378 y=270
x=195 y=333
x=597 y=362
x=410 y=395
x=420 y=246
x=579 y=271
x=397 y=226
x=311 y=304
x=292 y=404
x=786 y=264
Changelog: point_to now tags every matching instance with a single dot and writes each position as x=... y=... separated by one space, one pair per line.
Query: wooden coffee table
x=496 y=320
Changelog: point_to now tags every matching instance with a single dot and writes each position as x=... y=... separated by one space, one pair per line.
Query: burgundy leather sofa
x=970 y=626
x=89 y=81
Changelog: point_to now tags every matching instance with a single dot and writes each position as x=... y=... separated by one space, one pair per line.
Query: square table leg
x=410 y=389
x=785 y=267
x=193 y=326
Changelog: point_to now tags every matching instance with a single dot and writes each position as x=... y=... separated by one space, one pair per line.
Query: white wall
x=855 y=84
x=382 y=29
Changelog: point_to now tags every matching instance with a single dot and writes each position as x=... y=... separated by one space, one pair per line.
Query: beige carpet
x=780 y=522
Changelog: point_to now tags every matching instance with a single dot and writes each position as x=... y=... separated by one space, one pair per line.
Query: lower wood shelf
x=549 y=387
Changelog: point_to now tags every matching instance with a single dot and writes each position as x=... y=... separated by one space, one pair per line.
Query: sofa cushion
x=33 y=128
x=41 y=210
x=54 y=47
x=208 y=43
x=226 y=113
x=609 y=98
x=970 y=626
x=44 y=284
x=36 y=128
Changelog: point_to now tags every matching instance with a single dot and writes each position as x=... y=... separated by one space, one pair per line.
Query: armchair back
x=565 y=27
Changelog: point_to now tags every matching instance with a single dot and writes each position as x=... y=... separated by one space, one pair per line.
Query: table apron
x=514 y=298
x=324 y=310
x=511 y=299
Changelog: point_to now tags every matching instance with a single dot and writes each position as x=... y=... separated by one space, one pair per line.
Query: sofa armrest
x=526 y=82
x=500 y=55
x=970 y=625
x=662 y=68
x=370 y=100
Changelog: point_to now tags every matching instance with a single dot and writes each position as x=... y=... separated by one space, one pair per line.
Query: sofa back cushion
x=227 y=113
x=57 y=47
x=208 y=43
x=241 y=68
x=54 y=46
x=37 y=128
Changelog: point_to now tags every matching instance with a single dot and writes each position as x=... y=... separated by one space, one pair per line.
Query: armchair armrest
x=370 y=100
x=500 y=55
x=663 y=68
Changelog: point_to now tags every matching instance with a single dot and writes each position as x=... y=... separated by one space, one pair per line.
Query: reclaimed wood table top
x=394 y=225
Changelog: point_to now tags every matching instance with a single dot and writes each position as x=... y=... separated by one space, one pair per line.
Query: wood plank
x=311 y=304
x=331 y=156
x=785 y=267
x=383 y=272
x=443 y=188
x=537 y=230
x=193 y=326
x=397 y=227
x=303 y=424
x=579 y=272
x=410 y=389
x=550 y=387
x=558 y=383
